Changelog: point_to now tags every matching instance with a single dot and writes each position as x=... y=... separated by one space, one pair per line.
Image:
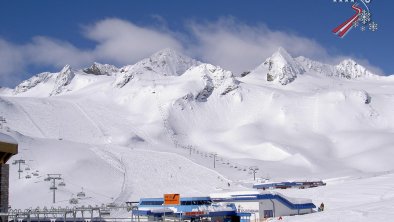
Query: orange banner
x=172 y=199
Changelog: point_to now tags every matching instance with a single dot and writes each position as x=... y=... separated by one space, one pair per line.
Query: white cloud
x=52 y=52
x=123 y=42
x=11 y=63
x=240 y=47
x=227 y=42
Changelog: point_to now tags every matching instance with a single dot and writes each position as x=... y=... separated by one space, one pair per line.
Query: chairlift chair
x=62 y=184
x=81 y=194
x=27 y=168
x=73 y=201
x=28 y=176
x=105 y=212
x=111 y=205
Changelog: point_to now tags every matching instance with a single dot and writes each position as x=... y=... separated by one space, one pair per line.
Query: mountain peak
x=282 y=56
x=350 y=69
x=348 y=61
x=63 y=78
x=167 y=52
x=101 y=69
x=281 y=67
x=173 y=62
x=166 y=62
x=66 y=68
x=282 y=52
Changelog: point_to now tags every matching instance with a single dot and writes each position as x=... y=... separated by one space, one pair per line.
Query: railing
x=75 y=214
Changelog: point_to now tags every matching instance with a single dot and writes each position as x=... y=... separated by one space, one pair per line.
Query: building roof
x=7 y=139
x=8 y=147
x=292 y=203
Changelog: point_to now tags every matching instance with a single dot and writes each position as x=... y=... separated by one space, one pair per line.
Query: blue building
x=190 y=208
x=222 y=207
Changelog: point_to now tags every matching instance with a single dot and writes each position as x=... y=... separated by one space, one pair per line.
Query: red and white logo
x=361 y=18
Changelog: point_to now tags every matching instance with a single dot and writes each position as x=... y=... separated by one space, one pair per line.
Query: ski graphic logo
x=361 y=19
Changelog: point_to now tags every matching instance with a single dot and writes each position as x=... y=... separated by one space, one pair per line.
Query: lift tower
x=53 y=187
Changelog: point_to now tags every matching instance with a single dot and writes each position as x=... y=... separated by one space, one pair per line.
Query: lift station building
x=8 y=148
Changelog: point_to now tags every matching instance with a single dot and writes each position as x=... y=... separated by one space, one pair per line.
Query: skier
x=321 y=208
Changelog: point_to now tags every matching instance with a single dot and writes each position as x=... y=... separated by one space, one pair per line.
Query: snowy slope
x=150 y=128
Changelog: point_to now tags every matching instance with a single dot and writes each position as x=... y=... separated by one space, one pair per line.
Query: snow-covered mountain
x=151 y=127
x=281 y=68
x=166 y=62
x=101 y=69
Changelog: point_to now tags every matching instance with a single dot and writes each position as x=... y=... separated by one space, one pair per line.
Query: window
x=157 y=203
x=268 y=213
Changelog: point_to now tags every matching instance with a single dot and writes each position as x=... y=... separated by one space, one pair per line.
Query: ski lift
x=62 y=184
x=73 y=201
x=27 y=168
x=28 y=176
x=81 y=194
x=20 y=171
x=105 y=212
x=47 y=179
x=35 y=174
x=111 y=205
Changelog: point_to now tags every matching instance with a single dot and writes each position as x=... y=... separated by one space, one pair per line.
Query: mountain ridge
x=280 y=68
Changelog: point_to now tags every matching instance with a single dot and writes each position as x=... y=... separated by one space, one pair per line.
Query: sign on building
x=172 y=199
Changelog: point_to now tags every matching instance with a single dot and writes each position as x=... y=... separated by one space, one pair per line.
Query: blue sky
x=37 y=36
